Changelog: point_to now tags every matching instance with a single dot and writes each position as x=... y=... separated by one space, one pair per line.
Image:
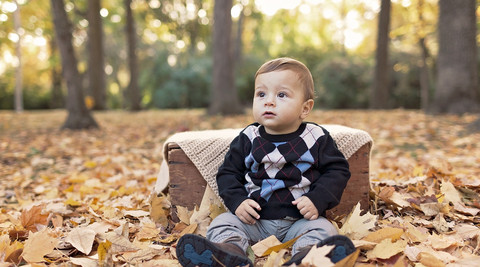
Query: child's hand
x=247 y=211
x=306 y=208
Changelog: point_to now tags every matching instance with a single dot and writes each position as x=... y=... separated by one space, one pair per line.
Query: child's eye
x=261 y=94
x=282 y=95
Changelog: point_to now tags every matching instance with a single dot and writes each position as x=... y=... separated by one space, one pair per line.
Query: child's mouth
x=268 y=113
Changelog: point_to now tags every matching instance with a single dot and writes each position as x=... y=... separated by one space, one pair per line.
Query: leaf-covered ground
x=84 y=197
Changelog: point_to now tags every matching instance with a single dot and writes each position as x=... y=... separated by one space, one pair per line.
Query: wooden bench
x=187 y=186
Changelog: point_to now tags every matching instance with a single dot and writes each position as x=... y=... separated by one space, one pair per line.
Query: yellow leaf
x=102 y=250
x=73 y=203
x=260 y=247
x=38 y=245
x=189 y=229
x=386 y=249
x=418 y=171
x=78 y=178
x=388 y=232
x=90 y=164
x=169 y=239
x=285 y=245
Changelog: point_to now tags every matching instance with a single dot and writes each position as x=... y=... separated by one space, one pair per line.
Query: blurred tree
x=425 y=55
x=18 y=52
x=56 y=96
x=96 y=58
x=379 y=97
x=224 y=97
x=79 y=116
x=133 y=90
x=457 y=77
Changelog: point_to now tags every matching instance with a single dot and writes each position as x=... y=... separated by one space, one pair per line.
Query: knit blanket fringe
x=207 y=149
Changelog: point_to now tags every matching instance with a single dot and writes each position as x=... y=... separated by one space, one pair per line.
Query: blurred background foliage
x=335 y=38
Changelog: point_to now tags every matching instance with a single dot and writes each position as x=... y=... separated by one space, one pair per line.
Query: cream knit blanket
x=207 y=149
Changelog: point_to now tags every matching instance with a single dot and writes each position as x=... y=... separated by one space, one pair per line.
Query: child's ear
x=307 y=107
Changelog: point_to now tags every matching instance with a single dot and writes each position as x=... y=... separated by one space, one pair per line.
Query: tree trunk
x=79 y=116
x=379 y=97
x=96 y=65
x=133 y=90
x=457 y=82
x=56 y=99
x=223 y=98
x=238 y=39
x=424 y=70
x=18 y=52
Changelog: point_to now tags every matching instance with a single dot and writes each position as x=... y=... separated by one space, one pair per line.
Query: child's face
x=279 y=102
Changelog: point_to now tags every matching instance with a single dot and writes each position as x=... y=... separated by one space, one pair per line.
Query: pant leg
x=314 y=231
x=228 y=228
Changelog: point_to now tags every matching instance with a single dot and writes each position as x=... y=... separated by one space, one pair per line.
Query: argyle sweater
x=274 y=170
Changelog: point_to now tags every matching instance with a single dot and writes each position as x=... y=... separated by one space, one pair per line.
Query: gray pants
x=228 y=228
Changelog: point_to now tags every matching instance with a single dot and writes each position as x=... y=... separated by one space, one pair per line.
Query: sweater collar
x=282 y=137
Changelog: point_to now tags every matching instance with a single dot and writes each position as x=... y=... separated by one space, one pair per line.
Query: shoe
x=343 y=248
x=194 y=250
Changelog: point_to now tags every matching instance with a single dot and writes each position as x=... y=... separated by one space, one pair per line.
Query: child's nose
x=270 y=101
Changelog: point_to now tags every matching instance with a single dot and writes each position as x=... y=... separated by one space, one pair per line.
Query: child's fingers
x=246 y=211
x=252 y=203
x=252 y=212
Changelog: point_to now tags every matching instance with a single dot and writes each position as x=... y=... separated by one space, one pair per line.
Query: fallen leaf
x=143 y=255
x=357 y=226
x=387 y=249
x=317 y=256
x=33 y=217
x=260 y=247
x=279 y=247
x=414 y=234
x=82 y=239
x=102 y=251
x=384 y=233
x=119 y=243
x=183 y=214
x=84 y=262
x=429 y=260
x=451 y=194
x=38 y=245
x=467 y=231
x=275 y=259
x=147 y=231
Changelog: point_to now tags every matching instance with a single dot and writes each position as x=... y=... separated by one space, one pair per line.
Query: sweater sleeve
x=326 y=190
x=231 y=174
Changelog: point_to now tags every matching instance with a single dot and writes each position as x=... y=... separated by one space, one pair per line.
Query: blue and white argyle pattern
x=281 y=170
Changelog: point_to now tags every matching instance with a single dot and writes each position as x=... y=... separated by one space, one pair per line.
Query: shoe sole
x=193 y=250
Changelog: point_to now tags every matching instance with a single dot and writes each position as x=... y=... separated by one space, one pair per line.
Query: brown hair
x=285 y=63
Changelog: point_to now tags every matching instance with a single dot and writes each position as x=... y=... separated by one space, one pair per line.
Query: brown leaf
x=32 y=217
x=381 y=234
